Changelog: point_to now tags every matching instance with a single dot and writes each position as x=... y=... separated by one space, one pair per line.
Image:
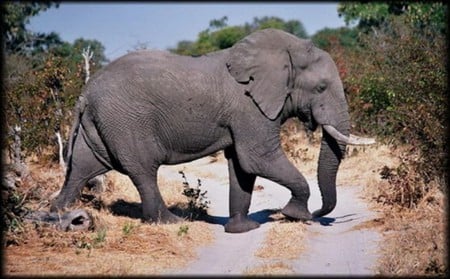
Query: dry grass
x=420 y=238
x=146 y=249
x=301 y=149
x=362 y=165
x=120 y=244
x=414 y=238
x=283 y=241
x=274 y=268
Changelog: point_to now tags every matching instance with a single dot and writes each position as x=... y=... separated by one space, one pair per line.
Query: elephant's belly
x=189 y=145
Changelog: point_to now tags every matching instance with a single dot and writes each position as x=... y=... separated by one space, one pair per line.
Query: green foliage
x=128 y=228
x=16 y=15
x=83 y=243
x=97 y=48
x=328 y=37
x=432 y=15
x=89 y=242
x=183 y=230
x=367 y=14
x=197 y=200
x=99 y=238
x=395 y=76
x=42 y=78
x=397 y=87
x=227 y=37
x=220 y=36
x=218 y=23
x=39 y=99
x=294 y=27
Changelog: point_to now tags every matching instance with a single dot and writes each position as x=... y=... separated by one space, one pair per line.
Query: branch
x=87 y=56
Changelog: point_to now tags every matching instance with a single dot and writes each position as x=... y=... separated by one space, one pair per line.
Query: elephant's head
x=287 y=76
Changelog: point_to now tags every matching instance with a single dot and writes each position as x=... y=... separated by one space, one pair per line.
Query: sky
x=122 y=27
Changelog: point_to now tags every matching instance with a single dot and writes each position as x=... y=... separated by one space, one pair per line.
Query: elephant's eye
x=321 y=87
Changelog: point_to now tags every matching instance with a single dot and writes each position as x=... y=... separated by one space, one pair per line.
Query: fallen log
x=76 y=220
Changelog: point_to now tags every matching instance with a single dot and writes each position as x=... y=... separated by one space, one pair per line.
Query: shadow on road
x=262 y=217
x=134 y=210
x=329 y=221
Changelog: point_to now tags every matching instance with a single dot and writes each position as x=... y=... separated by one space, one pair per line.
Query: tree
x=218 y=23
x=374 y=14
x=397 y=88
x=325 y=38
x=16 y=15
x=43 y=77
x=184 y=47
x=221 y=36
x=295 y=27
x=96 y=47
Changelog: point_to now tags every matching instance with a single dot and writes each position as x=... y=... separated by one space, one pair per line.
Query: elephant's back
x=151 y=87
x=150 y=77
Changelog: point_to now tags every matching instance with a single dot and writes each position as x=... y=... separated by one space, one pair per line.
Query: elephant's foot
x=239 y=223
x=297 y=210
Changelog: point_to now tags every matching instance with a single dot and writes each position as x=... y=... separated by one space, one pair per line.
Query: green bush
x=397 y=89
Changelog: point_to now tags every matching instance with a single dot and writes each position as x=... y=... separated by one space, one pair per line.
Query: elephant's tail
x=78 y=113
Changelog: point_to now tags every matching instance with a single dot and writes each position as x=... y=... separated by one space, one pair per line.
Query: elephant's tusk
x=351 y=140
x=355 y=140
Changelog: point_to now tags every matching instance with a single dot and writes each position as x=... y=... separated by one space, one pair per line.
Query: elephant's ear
x=262 y=62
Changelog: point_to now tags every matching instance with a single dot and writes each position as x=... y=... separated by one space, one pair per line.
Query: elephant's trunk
x=331 y=154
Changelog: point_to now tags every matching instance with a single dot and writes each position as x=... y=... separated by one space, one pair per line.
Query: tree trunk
x=87 y=55
x=17 y=145
x=58 y=116
x=60 y=151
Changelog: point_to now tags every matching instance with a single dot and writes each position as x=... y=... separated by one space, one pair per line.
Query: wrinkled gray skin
x=150 y=108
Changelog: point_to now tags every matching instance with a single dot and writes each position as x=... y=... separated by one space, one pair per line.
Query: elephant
x=151 y=107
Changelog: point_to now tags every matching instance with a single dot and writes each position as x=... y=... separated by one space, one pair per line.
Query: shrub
x=197 y=201
x=397 y=89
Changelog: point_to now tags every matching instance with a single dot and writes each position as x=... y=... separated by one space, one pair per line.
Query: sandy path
x=332 y=246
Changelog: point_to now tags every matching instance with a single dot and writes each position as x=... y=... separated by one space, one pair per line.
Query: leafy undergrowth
x=119 y=244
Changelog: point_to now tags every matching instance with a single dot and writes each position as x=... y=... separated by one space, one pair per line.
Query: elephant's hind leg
x=153 y=207
x=82 y=167
x=241 y=188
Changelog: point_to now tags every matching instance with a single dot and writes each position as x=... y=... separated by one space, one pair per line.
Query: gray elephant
x=150 y=108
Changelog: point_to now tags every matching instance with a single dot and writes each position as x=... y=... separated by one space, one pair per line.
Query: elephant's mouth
x=309 y=121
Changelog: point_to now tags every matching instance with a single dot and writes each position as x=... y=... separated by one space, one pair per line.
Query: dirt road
x=333 y=245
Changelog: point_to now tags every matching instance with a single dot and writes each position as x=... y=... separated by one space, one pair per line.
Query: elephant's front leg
x=241 y=188
x=280 y=170
x=276 y=167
